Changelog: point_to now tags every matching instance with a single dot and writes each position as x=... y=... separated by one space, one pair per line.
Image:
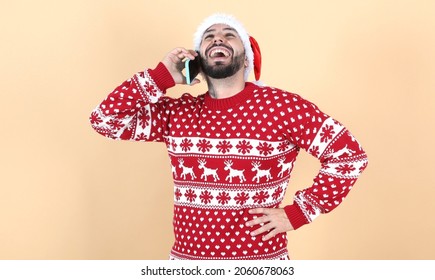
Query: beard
x=220 y=71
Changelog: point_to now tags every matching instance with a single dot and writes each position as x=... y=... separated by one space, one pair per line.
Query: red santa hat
x=252 y=49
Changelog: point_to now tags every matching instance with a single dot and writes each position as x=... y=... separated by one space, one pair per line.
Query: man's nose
x=218 y=39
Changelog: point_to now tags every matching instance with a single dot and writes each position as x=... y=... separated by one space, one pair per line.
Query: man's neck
x=224 y=88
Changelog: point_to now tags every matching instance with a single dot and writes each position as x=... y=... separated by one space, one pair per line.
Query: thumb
x=195 y=81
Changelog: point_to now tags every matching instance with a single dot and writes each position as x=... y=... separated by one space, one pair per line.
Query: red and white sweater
x=231 y=155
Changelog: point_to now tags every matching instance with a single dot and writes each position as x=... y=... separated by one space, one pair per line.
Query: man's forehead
x=220 y=26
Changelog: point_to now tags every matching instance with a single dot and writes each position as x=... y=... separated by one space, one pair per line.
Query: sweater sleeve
x=341 y=157
x=133 y=110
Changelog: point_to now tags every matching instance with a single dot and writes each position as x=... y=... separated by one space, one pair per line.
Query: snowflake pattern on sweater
x=231 y=155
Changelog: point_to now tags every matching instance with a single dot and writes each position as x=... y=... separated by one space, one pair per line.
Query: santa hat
x=252 y=49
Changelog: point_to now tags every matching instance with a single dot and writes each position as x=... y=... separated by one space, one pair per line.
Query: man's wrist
x=295 y=215
x=162 y=77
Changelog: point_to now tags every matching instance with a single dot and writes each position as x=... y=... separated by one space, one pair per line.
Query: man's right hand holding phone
x=174 y=62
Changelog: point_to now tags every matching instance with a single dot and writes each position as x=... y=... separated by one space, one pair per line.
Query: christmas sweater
x=231 y=155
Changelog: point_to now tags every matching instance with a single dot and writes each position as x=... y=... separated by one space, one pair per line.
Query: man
x=233 y=148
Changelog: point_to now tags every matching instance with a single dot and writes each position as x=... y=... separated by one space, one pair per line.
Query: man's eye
x=208 y=37
x=231 y=35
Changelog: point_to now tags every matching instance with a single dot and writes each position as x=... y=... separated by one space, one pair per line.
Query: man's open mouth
x=219 y=52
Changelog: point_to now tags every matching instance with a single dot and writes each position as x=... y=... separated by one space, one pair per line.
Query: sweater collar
x=225 y=103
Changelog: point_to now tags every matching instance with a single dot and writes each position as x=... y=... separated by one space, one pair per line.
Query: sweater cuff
x=162 y=77
x=295 y=215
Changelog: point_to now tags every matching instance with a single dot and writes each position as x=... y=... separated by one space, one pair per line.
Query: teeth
x=217 y=51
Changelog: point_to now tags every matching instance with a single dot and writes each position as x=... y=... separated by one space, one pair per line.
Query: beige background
x=68 y=193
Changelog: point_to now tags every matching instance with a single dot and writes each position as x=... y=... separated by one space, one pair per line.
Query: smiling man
x=219 y=60
x=233 y=148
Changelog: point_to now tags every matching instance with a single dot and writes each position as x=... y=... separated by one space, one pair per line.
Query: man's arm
x=342 y=161
x=135 y=109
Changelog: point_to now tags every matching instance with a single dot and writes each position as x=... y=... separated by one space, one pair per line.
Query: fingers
x=270 y=235
x=174 y=62
x=259 y=211
x=182 y=53
x=194 y=82
x=267 y=229
x=266 y=218
x=258 y=220
x=264 y=221
x=272 y=222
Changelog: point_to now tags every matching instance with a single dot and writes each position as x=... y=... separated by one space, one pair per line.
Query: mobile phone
x=193 y=67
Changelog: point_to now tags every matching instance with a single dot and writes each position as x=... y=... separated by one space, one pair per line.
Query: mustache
x=219 y=45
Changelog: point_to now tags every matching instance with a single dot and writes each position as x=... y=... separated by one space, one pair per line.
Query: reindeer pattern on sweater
x=231 y=155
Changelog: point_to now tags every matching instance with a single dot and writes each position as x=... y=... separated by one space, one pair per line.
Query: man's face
x=222 y=52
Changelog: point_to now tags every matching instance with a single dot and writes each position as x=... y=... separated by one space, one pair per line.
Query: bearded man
x=233 y=148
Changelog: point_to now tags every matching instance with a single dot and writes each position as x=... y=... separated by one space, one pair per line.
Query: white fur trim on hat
x=234 y=23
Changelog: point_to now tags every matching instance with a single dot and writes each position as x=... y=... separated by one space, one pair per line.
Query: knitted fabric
x=231 y=155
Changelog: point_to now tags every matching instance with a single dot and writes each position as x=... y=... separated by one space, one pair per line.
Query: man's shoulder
x=265 y=91
x=277 y=97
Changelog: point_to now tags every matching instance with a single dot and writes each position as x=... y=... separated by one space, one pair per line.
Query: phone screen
x=192 y=69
